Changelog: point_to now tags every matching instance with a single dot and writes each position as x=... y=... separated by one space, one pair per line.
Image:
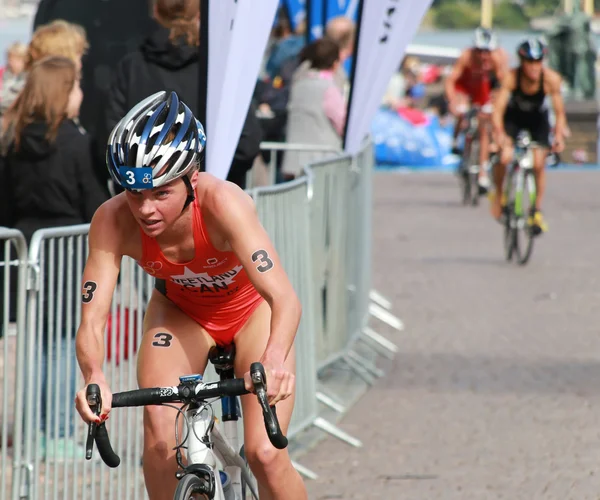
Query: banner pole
x=354 y=64
x=309 y=8
x=203 y=76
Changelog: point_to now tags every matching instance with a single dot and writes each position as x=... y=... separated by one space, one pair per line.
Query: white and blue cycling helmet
x=484 y=39
x=158 y=141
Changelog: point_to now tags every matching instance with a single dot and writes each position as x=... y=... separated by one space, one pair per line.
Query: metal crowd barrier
x=320 y=225
x=53 y=464
x=13 y=274
x=284 y=213
x=311 y=152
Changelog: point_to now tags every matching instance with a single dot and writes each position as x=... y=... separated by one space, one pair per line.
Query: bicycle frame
x=518 y=170
x=208 y=446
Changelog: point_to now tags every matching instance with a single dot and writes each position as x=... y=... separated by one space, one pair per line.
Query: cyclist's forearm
x=561 y=125
x=497 y=122
x=449 y=90
x=285 y=318
x=89 y=345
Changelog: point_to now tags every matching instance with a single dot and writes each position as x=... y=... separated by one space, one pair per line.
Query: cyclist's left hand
x=280 y=381
x=558 y=145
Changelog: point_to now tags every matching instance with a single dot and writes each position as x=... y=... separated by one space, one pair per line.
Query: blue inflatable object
x=398 y=142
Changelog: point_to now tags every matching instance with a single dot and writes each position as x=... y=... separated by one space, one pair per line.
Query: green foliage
x=510 y=16
x=456 y=15
x=466 y=14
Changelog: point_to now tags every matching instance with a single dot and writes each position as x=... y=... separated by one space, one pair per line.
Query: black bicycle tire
x=465 y=176
x=474 y=177
x=509 y=232
x=522 y=259
x=474 y=190
x=186 y=486
x=466 y=187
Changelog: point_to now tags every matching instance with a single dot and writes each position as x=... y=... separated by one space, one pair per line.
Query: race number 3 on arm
x=98 y=284
x=240 y=224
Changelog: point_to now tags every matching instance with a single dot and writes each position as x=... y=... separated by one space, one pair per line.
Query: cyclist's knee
x=539 y=159
x=265 y=460
x=506 y=155
x=158 y=428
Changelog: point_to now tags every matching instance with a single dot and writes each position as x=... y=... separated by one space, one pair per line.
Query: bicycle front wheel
x=525 y=208
x=190 y=487
x=473 y=171
x=510 y=222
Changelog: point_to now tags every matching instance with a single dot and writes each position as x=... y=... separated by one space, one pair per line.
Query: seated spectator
x=317 y=109
x=48 y=181
x=395 y=93
x=12 y=76
x=415 y=90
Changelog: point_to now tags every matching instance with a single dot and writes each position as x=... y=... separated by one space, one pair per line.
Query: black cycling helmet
x=532 y=49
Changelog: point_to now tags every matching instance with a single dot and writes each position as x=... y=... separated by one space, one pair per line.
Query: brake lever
x=94 y=400
x=259 y=381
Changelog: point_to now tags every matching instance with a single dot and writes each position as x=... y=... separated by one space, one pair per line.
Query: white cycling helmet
x=484 y=39
x=158 y=141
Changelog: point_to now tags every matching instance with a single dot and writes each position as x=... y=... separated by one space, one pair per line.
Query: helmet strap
x=190 y=197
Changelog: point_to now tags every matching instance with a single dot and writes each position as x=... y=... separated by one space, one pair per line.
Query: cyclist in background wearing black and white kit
x=522 y=105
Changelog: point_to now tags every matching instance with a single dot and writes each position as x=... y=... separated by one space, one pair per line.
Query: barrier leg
x=335 y=431
x=387 y=317
x=304 y=471
x=365 y=363
x=326 y=400
x=359 y=369
x=378 y=341
x=380 y=300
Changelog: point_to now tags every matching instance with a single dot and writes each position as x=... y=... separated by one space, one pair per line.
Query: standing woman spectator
x=169 y=60
x=58 y=38
x=317 y=108
x=48 y=181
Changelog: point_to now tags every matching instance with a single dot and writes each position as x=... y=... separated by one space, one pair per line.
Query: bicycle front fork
x=520 y=178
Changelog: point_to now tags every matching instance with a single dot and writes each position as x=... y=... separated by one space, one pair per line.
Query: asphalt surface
x=495 y=393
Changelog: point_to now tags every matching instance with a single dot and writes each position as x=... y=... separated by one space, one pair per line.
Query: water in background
x=19 y=29
x=459 y=39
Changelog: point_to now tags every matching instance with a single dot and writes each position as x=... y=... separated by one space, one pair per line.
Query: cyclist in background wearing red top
x=477 y=72
x=218 y=281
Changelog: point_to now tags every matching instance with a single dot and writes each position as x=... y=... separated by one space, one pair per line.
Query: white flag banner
x=385 y=29
x=238 y=31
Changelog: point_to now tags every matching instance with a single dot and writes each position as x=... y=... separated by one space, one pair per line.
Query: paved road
x=496 y=391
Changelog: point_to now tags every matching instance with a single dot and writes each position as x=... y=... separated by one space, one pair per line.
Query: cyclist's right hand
x=453 y=108
x=87 y=414
x=499 y=136
x=456 y=108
